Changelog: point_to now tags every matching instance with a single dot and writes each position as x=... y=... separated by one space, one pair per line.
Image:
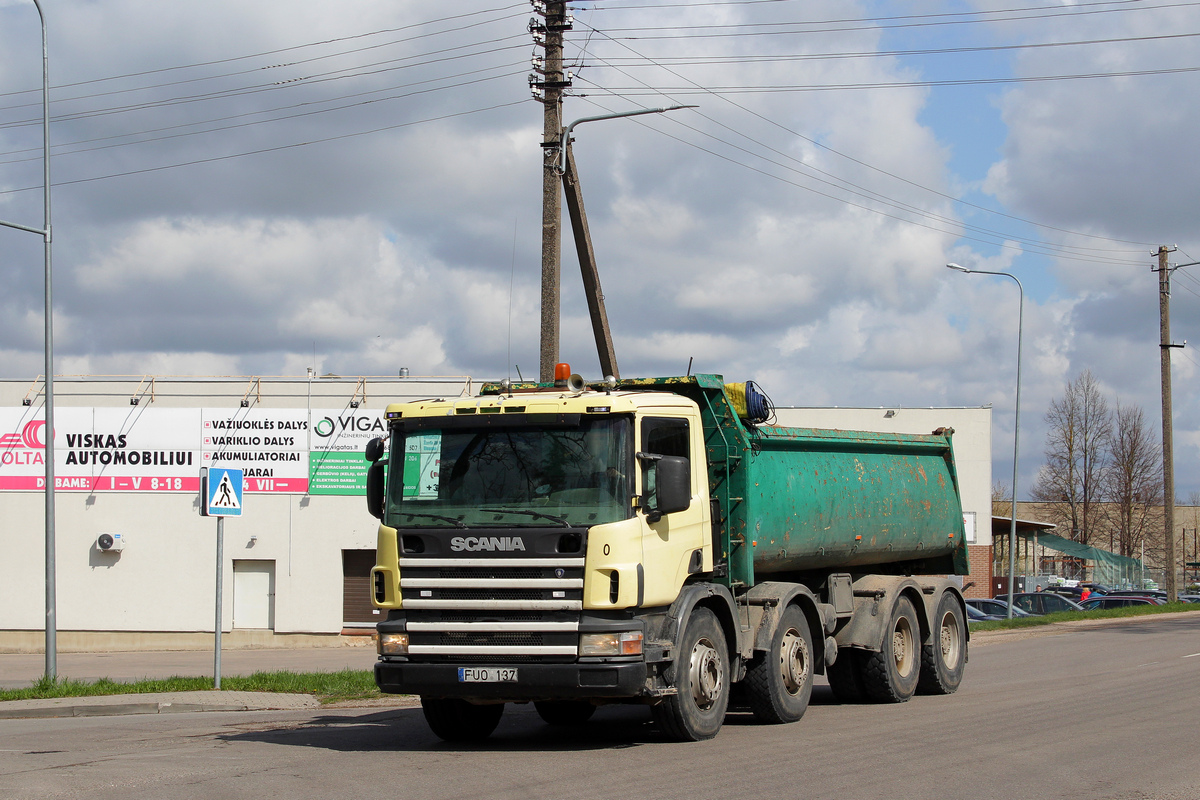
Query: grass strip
x=328 y=687
x=1073 y=616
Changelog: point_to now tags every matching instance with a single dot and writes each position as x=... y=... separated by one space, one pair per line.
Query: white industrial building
x=128 y=454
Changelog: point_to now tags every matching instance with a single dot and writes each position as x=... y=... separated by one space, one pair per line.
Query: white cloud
x=779 y=236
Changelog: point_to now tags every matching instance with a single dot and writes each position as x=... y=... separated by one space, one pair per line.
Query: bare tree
x=1001 y=499
x=1133 y=481
x=1071 y=480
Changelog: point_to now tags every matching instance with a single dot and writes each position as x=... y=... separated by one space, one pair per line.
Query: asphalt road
x=1103 y=713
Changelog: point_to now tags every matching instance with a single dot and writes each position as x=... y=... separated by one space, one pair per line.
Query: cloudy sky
x=261 y=186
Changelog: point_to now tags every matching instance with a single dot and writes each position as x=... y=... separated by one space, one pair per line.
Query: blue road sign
x=222 y=492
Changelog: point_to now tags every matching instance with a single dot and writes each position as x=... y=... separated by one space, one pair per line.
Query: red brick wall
x=980 y=559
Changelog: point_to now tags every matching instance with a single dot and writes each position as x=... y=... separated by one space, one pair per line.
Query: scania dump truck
x=654 y=541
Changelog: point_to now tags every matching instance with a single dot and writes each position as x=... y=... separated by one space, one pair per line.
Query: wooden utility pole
x=1164 y=345
x=587 y=264
x=548 y=88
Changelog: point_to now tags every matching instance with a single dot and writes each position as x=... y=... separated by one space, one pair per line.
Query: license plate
x=487 y=675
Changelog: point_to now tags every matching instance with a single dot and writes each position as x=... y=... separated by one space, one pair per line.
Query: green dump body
x=797 y=502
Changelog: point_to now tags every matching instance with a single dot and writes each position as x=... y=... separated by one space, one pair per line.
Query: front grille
x=487 y=594
x=492 y=572
x=524 y=609
x=493 y=639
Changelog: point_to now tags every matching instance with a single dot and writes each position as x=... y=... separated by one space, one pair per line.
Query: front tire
x=891 y=675
x=701 y=681
x=455 y=720
x=944 y=659
x=779 y=683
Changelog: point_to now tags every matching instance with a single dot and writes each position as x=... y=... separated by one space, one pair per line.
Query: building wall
x=164 y=579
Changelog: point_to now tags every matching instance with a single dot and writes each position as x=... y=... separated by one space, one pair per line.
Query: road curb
x=121 y=705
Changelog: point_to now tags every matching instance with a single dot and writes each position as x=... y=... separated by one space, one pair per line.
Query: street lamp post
x=1012 y=530
x=44 y=232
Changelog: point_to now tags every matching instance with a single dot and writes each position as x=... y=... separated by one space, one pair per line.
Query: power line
x=310 y=80
x=262 y=150
x=859 y=161
x=277 y=51
x=708 y=60
x=289 y=116
x=880 y=23
x=634 y=91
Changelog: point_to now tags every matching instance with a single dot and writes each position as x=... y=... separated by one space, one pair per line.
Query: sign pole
x=217 y=625
x=220 y=497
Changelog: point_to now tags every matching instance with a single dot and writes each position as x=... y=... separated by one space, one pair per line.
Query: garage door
x=357 y=611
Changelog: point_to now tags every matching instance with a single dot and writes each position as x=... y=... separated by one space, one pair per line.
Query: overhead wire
x=340 y=74
x=885 y=23
x=670 y=95
x=277 y=51
x=262 y=150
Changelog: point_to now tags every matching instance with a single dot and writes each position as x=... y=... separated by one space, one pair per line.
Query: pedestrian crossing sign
x=221 y=492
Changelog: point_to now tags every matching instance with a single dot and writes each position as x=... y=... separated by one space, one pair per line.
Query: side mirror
x=667 y=484
x=375 y=487
x=674 y=484
x=375 y=450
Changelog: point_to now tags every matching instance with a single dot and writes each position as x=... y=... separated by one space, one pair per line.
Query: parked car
x=1042 y=602
x=997 y=608
x=1189 y=598
x=975 y=615
x=1074 y=592
x=1138 y=593
x=1120 y=601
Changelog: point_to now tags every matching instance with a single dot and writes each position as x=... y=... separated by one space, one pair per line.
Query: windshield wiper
x=458 y=523
x=536 y=514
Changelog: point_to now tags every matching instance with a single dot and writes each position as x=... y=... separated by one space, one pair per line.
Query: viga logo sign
x=334 y=430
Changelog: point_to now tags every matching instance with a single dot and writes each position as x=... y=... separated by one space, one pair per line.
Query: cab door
x=672 y=543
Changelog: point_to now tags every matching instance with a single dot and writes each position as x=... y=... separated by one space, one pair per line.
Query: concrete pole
x=551 y=188
x=1164 y=345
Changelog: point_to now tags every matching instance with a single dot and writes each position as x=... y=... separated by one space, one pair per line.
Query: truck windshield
x=509 y=475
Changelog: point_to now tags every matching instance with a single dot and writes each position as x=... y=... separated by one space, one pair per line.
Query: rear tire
x=891 y=675
x=564 y=712
x=944 y=659
x=701 y=680
x=455 y=720
x=779 y=682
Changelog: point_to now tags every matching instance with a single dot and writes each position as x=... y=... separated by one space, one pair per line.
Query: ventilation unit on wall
x=110 y=542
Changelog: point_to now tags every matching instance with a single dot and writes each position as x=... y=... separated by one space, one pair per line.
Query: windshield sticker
x=422 y=455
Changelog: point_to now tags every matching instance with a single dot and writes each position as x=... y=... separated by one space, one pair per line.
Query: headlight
x=620 y=643
x=393 y=644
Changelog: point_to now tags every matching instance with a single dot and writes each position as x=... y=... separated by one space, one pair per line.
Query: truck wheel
x=943 y=660
x=701 y=681
x=779 y=682
x=845 y=676
x=455 y=720
x=890 y=676
x=564 y=712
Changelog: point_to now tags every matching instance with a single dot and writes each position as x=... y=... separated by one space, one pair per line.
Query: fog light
x=619 y=643
x=393 y=644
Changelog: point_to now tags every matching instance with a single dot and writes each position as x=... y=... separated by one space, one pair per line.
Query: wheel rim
x=950 y=640
x=902 y=646
x=793 y=661
x=706 y=673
